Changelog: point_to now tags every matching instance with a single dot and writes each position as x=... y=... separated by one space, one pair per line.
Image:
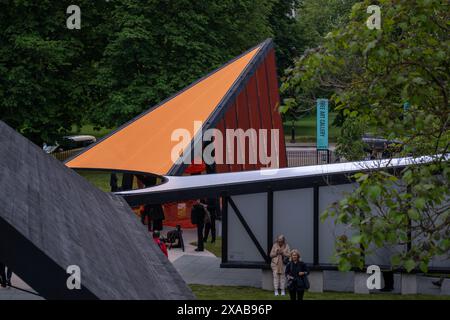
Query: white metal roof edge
x=232 y=178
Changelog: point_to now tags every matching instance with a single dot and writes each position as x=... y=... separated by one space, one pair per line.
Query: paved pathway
x=204 y=267
x=207 y=271
x=14 y=294
x=189 y=236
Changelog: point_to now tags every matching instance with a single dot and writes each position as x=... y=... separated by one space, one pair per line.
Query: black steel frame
x=227 y=200
x=268 y=186
x=316 y=221
x=316 y=266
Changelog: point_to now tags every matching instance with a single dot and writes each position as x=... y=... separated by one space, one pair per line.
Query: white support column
x=409 y=284
x=445 y=288
x=267 y=280
x=360 y=285
x=316 y=281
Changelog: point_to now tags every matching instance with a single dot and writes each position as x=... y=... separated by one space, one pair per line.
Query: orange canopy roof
x=144 y=144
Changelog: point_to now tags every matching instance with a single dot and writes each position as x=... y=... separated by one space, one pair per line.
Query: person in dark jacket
x=211 y=225
x=145 y=217
x=296 y=273
x=156 y=214
x=175 y=238
x=198 y=214
x=113 y=183
x=5 y=275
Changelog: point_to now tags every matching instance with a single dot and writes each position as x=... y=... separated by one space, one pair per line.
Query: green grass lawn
x=97 y=178
x=215 y=248
x=101 y=179
x=204 y=292
x=305 y=129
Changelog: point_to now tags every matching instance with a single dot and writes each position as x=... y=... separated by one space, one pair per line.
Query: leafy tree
x=288 y=36
x=373 y=73
x=158 y=47
x=315 y=19
x=44 y=66
x=128 y=55
x=351 y=131
x=318 y=17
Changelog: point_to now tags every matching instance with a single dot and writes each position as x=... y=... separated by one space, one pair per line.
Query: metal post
x=316 y=225
x=269 y=221
x=224 y=229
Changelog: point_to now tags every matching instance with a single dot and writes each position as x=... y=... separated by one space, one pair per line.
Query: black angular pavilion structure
x=52 y=218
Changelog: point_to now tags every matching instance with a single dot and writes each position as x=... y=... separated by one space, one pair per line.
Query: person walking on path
x=146 y=218
x=297 y=275
x=280 y=256
x=5 y=275
x=156 y=213
x=211 y=224
x=198 y=214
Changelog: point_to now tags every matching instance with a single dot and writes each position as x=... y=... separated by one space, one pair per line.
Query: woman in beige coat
x=280 y=251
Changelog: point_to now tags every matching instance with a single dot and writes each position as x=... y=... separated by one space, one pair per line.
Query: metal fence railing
x=298 y=157
x=64 y=155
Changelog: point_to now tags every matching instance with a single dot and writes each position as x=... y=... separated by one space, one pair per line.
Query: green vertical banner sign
x=406 y=106
x=322 y=124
